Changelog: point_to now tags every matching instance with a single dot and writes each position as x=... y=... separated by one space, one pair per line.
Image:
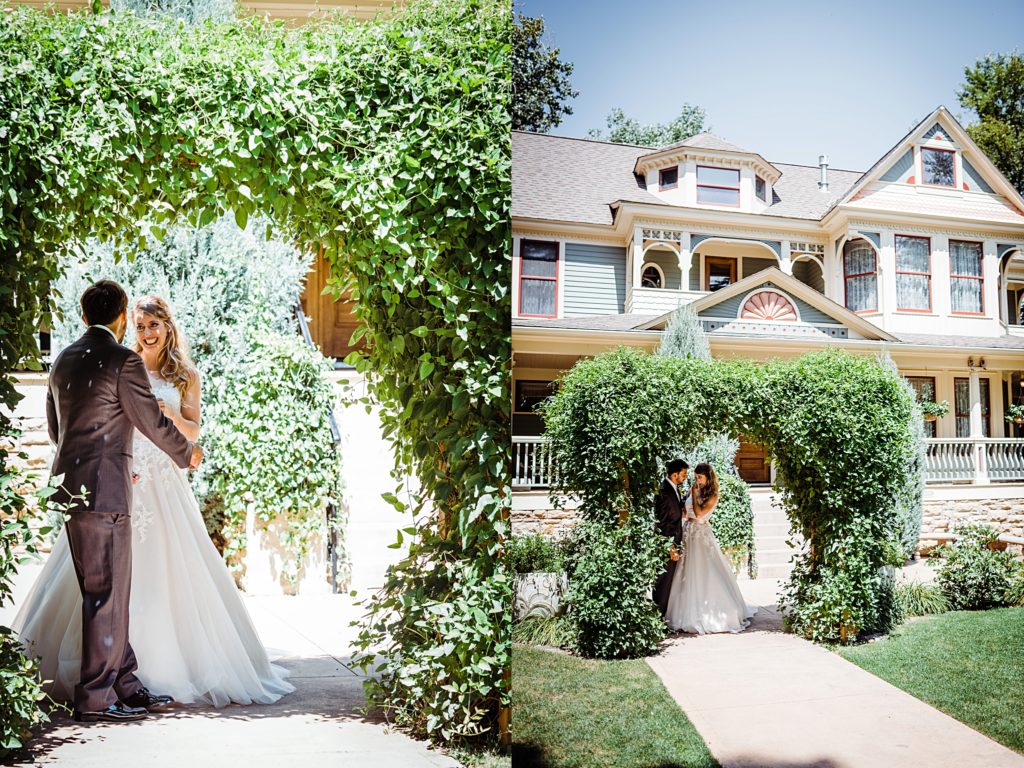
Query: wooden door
x=718 y=272
x=331 y=322
x=752 y=462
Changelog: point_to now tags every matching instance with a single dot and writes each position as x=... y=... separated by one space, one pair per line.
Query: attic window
x=668 y=178
x=760 y=189
x=938 y=167
x=718 y=186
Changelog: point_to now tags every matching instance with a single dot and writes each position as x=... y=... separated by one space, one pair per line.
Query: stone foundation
x=532 y=512
x=943 y=516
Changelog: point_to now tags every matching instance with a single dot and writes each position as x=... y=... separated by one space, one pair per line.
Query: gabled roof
x=709 y=143
x=795 y=288
x=578 y=180
x=946 y=121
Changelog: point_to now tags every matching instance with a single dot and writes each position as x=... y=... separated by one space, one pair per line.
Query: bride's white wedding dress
x=704 y=596
x=189 y=629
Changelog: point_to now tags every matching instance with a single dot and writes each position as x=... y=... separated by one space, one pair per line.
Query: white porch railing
x=532 y=463
x=948 y=460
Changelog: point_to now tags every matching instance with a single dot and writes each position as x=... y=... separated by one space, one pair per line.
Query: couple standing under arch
x=697 y=592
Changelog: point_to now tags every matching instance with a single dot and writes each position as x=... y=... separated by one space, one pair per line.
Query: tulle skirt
x=190 y=631
x=705 y=597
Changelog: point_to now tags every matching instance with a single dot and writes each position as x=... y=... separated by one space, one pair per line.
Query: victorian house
x=920 y=256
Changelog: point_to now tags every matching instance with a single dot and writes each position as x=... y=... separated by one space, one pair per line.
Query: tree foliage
x=690 y=121
x=541 y=88
x=384 y=143
x=684 y=336
x=994 y=89
x=836 y=425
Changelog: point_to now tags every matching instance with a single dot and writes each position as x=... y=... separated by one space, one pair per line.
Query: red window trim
x=558 y=256
x=661 y=171
x=720 y=186
x=908 y=272
x=981 y=277
x=941 y=186
x=846 y=278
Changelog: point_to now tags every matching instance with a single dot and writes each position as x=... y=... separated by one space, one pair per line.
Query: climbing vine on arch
x=384 y=143
x=838 y=427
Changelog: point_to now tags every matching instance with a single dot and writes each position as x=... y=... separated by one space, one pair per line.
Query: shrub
x=542 y=630
x=684 y=336
x=610 y=611
x=919 y=599
x=971 y=574
x=718 y=450
x=733 y=521
x=527 y=554
x=1015 y=592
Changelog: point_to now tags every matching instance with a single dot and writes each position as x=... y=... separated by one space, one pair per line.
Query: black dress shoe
x=143 y=698
x=115 y=713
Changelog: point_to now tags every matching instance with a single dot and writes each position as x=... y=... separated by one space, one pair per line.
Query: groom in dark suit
x=99 y=394
x=668 y=511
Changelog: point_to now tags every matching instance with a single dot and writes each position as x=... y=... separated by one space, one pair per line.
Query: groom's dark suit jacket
x=668 y=510
x=98 y=395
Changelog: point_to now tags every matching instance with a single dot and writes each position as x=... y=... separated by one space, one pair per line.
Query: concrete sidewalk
x=317 y=726
x=764 y=698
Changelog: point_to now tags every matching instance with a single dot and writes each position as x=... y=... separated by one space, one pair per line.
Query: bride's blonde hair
x=173 y=363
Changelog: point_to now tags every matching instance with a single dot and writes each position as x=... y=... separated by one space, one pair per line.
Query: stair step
x=773 y=571
x=769 y=530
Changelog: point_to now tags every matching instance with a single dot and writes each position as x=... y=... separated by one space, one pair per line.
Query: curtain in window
x=540 y=262
x=861 y=280
x=964 y=260
x=962 y=396
x=913 y=255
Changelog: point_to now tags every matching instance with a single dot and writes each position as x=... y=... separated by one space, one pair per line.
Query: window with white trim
x=538 y=278
x=938 y=167
x=718 y=186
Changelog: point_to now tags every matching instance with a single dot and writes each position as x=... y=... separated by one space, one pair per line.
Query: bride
x=705 y=597
x=190 y=631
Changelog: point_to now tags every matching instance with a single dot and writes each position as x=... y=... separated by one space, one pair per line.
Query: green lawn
x=969 y=664
x=577 y=713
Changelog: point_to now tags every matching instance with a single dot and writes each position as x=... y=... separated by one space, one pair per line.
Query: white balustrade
x=532 y=463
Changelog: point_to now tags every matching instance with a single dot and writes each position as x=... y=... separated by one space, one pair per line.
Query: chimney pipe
x=823 y=164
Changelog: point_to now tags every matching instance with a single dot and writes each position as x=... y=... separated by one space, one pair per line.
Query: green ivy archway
x=837 y=426
x=384 y=143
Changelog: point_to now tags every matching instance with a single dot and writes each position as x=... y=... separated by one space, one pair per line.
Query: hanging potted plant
x=933 y=411
x=1015 y=413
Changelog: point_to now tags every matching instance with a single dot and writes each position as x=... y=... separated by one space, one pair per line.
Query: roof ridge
x=580 y=138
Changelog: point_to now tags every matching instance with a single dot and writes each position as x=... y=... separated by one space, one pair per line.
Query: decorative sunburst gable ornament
x=769 y=305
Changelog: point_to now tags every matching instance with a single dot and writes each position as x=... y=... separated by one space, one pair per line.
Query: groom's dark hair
x=675 y=465
x=102 y=302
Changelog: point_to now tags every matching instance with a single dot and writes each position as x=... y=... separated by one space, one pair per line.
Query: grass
x=480 y=758
x=969 y=664
x=569 y=712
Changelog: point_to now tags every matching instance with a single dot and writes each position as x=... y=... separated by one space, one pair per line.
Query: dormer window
x=938 y=167
x=668 y=178
x=760 y=189
x=718 y=186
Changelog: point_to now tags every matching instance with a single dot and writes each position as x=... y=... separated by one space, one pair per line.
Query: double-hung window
x=718 y=186
x=860 y=274
x=965 y=277
x=538 y=278
x=913 y=273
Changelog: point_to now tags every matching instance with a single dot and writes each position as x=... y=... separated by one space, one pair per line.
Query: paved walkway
x=319 y=725
x=764 y=698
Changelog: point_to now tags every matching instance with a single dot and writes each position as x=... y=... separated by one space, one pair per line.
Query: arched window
x=652 y=277
x=860 y=275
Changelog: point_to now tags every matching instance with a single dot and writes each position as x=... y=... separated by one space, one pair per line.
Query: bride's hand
x=163 y=406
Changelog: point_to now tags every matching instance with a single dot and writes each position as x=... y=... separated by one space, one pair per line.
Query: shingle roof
x=707 y=141
x=964 y=342
x=566 y=179
x=630 y=322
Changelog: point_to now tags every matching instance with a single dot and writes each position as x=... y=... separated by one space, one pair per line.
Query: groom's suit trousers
x=101 y=548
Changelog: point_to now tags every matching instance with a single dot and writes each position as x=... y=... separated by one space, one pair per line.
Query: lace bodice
x=152 y=465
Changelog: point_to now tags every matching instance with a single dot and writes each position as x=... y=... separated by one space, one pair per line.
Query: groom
x=98 y=395
x=668 y=511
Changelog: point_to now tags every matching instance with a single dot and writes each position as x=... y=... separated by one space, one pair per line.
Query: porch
x=962 y=460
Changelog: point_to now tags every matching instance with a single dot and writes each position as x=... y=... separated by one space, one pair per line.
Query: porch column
x=786 y=258
x=638 y=257
x=980 y=456
x=684 y=261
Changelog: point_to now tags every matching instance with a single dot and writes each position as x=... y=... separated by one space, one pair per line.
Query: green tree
x=684 y=336
x=994 y=89
x=626 y=130
x=541 y=89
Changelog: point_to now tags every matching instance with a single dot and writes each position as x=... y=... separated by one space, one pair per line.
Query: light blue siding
x=809 y=273
x=669 y=264
x=730 y=307
x=695 y=276
x=974 y=179
x=595 y=280
x=753 y=266
x=900 y=170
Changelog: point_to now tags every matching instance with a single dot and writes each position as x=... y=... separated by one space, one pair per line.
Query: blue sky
x=789 y=80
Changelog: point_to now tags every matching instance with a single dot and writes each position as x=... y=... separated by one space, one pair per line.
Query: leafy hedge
x=837 y=425
x=385 y=143
x=972 y=574
x=733 y=521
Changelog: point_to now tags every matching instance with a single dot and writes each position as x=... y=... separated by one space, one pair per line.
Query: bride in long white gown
x=705 y=597
x=190 y=631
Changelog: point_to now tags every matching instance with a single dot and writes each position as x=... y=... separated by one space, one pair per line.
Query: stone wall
x=942 y=516
x=532 y=512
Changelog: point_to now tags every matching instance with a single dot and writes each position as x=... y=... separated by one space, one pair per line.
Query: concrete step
x=770 y=517
x=773 y=571
x=770 y=530
x=775 y=556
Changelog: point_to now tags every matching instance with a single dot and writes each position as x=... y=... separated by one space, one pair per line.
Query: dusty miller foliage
x=384 y=143
x=684 y=336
